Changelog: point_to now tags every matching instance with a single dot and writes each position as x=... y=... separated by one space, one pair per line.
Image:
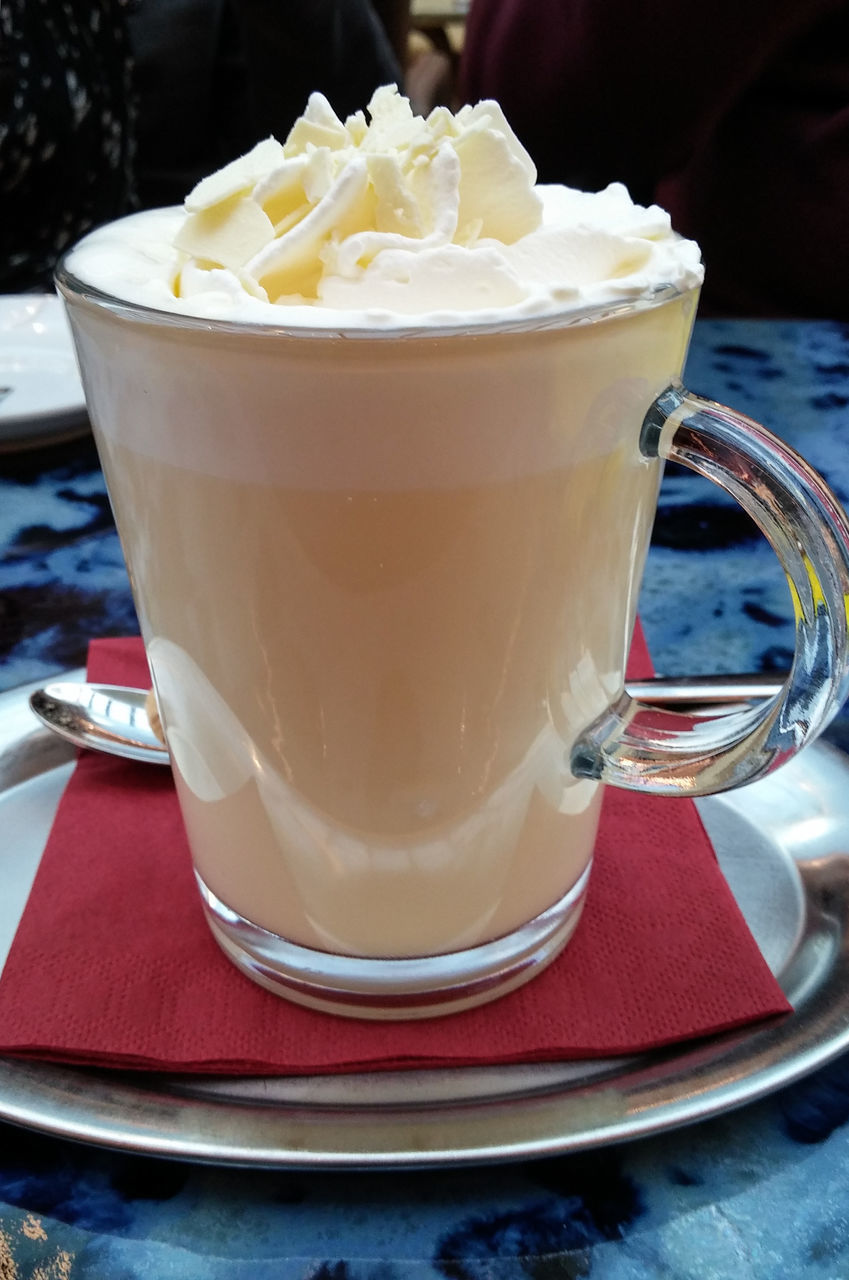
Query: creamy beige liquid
x=383 y=587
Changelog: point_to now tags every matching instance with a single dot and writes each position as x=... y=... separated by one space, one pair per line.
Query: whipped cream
x=386 y=220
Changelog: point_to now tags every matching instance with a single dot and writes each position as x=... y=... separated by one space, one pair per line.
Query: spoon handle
x=114 y=718
x=689 y=693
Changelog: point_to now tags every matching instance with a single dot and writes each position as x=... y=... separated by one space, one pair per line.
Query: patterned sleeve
x=66 y=128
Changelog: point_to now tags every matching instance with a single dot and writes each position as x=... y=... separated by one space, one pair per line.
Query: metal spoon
x=112 y=718
x=102 y=717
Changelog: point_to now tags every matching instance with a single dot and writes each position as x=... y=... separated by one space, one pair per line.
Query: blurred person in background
x=66 y=130
x=111 y=105
x=215 y=76
x=733 y=116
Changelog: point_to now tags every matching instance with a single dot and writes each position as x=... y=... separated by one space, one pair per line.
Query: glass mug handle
x=641 y=748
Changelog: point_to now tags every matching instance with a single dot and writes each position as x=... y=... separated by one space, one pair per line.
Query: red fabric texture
x=113 y=964
x=743 y=135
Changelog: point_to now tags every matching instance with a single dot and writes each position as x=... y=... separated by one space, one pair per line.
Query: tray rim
x=506 y=1114
x=64 y=419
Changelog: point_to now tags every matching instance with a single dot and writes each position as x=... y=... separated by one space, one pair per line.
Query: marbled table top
x=759 y=1194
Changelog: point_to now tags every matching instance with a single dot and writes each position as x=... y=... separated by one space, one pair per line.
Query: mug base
x=395 y=988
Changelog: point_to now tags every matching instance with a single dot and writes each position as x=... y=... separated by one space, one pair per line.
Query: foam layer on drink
x=370 y=222
x=322 y=413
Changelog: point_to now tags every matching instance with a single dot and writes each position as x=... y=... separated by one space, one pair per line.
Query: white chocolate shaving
x=387 y=214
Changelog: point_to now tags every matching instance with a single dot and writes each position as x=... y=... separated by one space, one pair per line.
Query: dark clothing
x=65 y=130
x=215 y=76
x=339 y=47
x=189 y=80
x=733 y=116
x=111 y=105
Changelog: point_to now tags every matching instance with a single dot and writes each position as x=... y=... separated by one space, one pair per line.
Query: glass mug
x=387 y=582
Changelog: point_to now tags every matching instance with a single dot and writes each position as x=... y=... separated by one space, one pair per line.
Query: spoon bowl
x=102 y=717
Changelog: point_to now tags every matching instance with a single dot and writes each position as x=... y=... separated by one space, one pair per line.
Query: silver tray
x=782 y=843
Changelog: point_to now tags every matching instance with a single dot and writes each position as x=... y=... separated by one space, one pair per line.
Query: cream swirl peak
x=394 y=215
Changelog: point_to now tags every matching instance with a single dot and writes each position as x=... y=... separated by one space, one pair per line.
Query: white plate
x=41 y=395
x=783 y=845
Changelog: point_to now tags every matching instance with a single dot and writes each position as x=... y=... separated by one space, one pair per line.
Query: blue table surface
x=759 y=1193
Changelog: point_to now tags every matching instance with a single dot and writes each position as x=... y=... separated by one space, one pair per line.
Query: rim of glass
x=454 y=324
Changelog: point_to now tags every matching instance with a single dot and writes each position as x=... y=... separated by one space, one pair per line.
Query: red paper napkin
x=113 y=963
